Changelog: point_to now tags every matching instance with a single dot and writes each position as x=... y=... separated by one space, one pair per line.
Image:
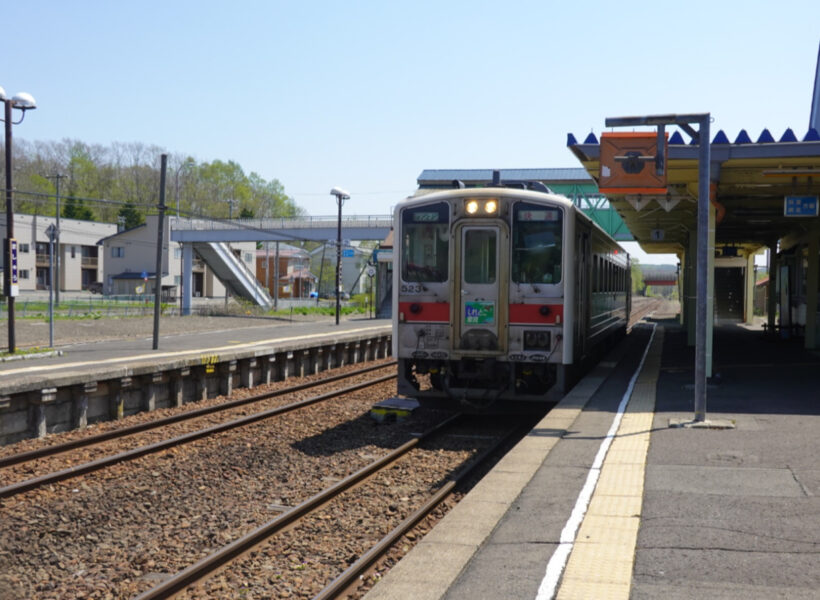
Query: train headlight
x=483 y=207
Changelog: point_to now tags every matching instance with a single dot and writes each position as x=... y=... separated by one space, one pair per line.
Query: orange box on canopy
x=628 y=165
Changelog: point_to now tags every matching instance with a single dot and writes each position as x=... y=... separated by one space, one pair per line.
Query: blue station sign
x=800 y=206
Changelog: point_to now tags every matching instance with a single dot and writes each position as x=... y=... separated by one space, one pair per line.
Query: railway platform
x=92 y=382
x=603 y=499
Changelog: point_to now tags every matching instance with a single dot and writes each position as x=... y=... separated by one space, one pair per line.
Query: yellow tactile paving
x=600 y=565
x=584 y=590
x=602 y=505
x=609 y=530
x=614 y=568
x=639 y=443
x=620 y=480
x=627 y=456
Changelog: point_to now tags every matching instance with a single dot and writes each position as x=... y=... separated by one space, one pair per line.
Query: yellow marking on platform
x=620 y=479
x=585 y=590
x=156 y=355
x=601 y=562
x=607 y=506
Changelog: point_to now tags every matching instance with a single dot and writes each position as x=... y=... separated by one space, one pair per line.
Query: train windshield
x=425 y=243
x=536 y=243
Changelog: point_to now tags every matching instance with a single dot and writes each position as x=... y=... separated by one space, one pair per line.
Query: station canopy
x=752 y=184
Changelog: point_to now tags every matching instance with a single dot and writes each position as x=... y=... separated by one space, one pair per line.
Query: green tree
x=637 y=277
x=75 y=208
x=131 y=217
x=100 y=179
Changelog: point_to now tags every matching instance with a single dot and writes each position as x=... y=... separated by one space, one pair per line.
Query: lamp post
x=341 y=196
x=22 y=102
x=186 y=165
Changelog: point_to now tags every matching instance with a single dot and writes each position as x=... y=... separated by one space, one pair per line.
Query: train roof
x=423 y=196
x=427 y=195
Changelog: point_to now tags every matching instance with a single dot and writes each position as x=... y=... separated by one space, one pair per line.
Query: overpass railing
x=304 y=222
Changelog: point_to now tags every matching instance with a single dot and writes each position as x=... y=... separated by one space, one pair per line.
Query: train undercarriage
x=475 y=384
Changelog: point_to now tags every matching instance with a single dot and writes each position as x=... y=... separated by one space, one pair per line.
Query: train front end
x=478 y=295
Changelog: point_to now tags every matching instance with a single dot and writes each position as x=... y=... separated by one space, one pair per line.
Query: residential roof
x=124 y=231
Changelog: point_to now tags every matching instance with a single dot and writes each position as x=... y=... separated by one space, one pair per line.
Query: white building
x=131 y=258
x=80 y=261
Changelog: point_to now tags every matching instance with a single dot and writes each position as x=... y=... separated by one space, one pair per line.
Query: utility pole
x=160 y=232
x=57 y=177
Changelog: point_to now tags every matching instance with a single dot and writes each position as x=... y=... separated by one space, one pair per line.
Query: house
x=295 y=278
x=80 y=261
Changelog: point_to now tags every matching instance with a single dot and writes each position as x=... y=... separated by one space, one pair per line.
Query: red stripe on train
x=435 y=312
x=533 y=314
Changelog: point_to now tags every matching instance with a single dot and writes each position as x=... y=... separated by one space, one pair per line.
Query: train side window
x=536 y=243
x=594 y=273
x=425 y=243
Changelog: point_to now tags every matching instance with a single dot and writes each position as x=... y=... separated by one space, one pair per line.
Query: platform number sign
x=800 y=206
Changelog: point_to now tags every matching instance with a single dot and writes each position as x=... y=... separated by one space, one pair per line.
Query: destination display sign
x=479 y=313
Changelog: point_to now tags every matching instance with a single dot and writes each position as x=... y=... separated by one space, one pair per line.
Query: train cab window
x=536 y=243
x=425 y=243
x=480 y=256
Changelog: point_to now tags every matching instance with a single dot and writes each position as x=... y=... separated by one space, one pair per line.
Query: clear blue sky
x=365 y=95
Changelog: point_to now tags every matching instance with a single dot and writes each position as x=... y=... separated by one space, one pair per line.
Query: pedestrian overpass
x=210 y=239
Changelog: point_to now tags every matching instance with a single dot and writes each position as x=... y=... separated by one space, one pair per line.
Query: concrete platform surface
x=666 y=512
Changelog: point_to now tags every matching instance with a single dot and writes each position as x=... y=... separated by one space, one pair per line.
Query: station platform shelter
x=762 y=199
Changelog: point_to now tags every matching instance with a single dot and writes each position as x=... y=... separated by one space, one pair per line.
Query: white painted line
x=558 y=561
x=154 y=356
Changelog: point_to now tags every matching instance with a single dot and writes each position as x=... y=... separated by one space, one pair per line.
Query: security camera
x=340 y=193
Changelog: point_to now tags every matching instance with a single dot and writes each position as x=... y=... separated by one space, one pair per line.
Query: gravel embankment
x=114 y=533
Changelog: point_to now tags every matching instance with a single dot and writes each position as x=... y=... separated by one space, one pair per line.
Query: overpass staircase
x=232 y=272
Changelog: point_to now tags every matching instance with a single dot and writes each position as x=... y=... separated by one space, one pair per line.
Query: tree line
x=120 y=183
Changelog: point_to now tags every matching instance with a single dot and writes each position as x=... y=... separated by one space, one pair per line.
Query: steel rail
x=95 y=465
x=205 y=567
x=22 y=457
x=351 y=575
x=646 y=308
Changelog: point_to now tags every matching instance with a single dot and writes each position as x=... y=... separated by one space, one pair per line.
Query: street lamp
x=341 y=196
x=186 y=165
x=22 y=102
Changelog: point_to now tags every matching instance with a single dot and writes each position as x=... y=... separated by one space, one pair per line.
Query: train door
x=481 y=311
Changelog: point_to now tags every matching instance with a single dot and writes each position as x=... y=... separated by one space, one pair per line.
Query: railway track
x=83 y=466
x=121 y=532
x=235 y=551
x=642 y=307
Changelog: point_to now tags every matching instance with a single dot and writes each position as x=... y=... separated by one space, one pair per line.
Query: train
x=501 y=294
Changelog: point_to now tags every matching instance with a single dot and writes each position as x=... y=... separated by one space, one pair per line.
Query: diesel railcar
x=500 y=294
